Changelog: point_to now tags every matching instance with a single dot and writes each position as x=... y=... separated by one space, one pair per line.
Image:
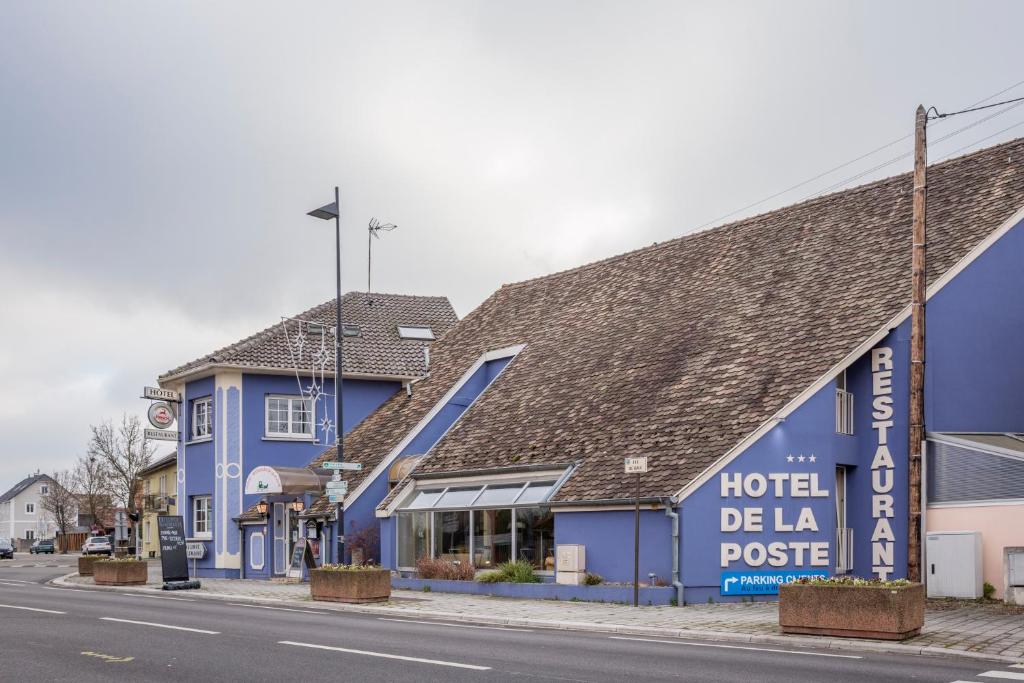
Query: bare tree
x=60 y=502
x=124 y=452
x=92 y=484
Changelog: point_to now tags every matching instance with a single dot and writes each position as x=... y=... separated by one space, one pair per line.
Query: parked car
x=6 y=549
x=97 y=545
x=43 y=545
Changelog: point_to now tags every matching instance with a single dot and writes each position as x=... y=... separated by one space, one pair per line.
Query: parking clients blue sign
x=761 y=583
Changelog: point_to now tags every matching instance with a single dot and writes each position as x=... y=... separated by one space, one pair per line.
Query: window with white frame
x=44 y=489
x=844 y=406
x=202 y=418
x=30 y=508
x=30 y=535
x=201 y=517
x=289 y=417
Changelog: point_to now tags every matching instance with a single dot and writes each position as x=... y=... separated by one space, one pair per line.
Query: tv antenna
x=373 y=231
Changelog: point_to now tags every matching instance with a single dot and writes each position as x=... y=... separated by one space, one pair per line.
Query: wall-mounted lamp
x=261 y=507
x=298 y=505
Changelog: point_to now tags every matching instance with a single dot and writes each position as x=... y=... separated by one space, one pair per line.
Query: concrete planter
x=85 y=563
x=886 y=613
x=119 y=573
x=358 y=585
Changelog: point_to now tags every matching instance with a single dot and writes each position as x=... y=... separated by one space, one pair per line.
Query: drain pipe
x=677 y=578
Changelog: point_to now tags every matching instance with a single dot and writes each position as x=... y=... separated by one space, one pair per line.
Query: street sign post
x=337 y=487
x=342 y=466
x=636 y=466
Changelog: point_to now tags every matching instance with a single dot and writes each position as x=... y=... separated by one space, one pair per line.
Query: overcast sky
x=157 y=159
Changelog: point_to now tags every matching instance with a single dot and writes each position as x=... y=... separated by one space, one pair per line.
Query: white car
x=97 y=545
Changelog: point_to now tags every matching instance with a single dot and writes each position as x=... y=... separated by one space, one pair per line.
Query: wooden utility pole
x=919 y=285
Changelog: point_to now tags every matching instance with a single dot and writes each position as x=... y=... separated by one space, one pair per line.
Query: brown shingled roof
x=680 y=350
x=377 y=351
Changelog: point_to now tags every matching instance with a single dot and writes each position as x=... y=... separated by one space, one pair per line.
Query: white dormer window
x=413 y=332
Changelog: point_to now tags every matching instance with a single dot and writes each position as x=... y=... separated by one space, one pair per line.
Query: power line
x=972 y=107
x=998 y=132
x=965 y=111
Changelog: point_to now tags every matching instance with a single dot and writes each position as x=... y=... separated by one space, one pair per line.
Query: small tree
x=92 y=484
x=124 y=452
x=60 y=502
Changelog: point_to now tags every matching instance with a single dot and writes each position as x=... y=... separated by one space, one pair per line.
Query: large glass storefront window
x=413 y=537
x=451 y=535
x=492 y=537
x=535 y=537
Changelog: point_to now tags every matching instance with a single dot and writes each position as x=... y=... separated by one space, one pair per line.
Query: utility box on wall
x=954 y=565
x=1013 y=569
x=571 y=564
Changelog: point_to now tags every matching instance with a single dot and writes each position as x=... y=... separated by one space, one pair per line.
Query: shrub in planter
x=852 y=608
x=350 y=583
x=85 y=563
x=591 y=579
x=119 y=572
x=510 y=572
x=448 y=570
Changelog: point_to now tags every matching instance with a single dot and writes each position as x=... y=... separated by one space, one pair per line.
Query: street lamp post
x=328 y=212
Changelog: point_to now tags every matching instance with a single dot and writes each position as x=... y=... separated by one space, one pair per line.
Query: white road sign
x=161 y=435
x=636 y=465
x=337 y=486
x=342 y=466
x=336 y=499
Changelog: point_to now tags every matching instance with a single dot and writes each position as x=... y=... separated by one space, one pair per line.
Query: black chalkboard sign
x=302 y=555
x=173 y=561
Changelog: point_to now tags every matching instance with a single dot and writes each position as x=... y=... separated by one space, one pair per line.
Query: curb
x=822 y=643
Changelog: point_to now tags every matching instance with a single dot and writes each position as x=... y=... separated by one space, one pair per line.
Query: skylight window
x=413 y=332
x=351 y=331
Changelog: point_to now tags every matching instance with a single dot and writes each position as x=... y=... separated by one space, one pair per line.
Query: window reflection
x=492 y=537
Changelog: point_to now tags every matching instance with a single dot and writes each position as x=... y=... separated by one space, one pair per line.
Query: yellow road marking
x=109 y=659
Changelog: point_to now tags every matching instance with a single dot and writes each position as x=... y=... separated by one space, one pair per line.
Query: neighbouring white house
x=21 y=510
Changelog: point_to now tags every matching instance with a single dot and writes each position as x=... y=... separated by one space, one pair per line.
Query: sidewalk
x=964 y=629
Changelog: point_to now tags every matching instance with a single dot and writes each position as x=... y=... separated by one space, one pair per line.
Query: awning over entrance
x=267 y=480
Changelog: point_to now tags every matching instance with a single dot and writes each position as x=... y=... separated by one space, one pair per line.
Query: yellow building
x=158 y=491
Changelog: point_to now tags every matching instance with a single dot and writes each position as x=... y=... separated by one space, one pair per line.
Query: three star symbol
x=801 y=458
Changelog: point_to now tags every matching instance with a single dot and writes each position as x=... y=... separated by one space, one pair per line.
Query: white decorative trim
x=848 y=360
x=263 y=555
x=209 y=369
x=385 y=463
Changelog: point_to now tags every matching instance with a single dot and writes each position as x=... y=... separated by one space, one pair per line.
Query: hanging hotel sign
x=158 y=394
x=160 y=435
x=262 y=480
x=161 y=415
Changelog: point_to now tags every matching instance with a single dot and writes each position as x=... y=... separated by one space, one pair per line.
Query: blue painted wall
x=198 y=466
x=608 y=537
x=250 y=572
x=974 y=370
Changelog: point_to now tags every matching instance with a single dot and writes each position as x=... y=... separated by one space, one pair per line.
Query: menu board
x=173 y=561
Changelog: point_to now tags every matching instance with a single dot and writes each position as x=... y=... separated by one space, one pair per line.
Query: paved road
x=54 y=634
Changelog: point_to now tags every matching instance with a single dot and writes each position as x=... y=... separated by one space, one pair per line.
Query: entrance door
x=280 y=539
x=844 y=540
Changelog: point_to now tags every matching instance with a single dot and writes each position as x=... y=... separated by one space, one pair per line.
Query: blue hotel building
x=762 y=367
x=267 y=402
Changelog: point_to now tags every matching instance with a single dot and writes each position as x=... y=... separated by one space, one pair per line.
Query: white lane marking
x=1017 y=666
x=150 y=623
x=384 y=655
x=1007 y=675
x=155 y=597
x=737 y=647
x=18 y=581
x=13 y=585
x=33 y=609
x=439 y=623
x=280 y=609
